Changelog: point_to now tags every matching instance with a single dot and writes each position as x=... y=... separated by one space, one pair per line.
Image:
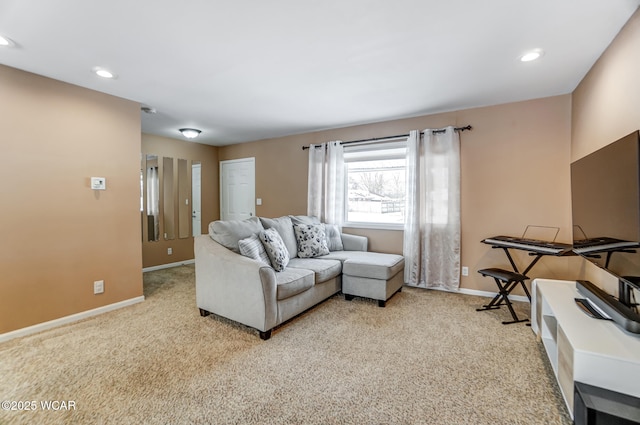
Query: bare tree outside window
x=376 y=190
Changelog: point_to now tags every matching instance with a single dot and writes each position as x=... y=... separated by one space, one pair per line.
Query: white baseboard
x=68 y=319
x=522 y=298
x=167 y=266
x=475 y=292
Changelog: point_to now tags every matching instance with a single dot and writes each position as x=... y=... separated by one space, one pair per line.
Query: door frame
x=196 y=218
x=252 y=190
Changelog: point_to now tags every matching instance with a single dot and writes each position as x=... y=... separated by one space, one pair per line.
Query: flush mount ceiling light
x=190 y=133
x=6 y=42
x=531 y=55
x=148 y=110
x=104 y=73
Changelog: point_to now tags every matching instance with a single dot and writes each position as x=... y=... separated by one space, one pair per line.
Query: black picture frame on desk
x=598 y=406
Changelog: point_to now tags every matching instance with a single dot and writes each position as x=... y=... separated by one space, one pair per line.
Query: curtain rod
x=442 y=130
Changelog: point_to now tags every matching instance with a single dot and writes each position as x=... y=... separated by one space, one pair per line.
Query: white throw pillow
x=252 y=247
x=276 y=249
x=312 y=241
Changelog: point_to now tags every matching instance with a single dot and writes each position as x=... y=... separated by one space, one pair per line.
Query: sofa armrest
x=354 y=242
x=234 y=286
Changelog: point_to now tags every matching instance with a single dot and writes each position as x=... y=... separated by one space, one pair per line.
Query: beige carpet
x=427 y=358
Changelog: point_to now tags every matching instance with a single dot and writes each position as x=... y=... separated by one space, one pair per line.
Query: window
x=375 y=183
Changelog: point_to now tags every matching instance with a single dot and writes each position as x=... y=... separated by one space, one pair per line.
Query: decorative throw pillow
x=276 y=249
x=312 y=241
x=334 y=240
x=252 y=247
x=285 y=228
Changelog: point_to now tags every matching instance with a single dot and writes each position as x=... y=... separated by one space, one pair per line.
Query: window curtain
x=326 y=184
x=431 y=244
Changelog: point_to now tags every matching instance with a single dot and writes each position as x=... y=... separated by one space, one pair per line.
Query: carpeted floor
x=427 y=358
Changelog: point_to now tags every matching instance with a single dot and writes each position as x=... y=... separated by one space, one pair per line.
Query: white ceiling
x=242 y=70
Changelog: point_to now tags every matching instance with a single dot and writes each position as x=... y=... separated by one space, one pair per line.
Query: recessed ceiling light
x=104 y=73
x=4 y=41
x=190 y=133
x=531 y=56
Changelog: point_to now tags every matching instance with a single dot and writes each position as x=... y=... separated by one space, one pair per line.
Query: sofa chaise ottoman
x=369 y=274
x=378 y=276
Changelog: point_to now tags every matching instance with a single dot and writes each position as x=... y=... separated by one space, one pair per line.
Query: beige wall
x=515 y=171
x=606 y=107
x=155 y=253
x=606 y=104
x=58 y=235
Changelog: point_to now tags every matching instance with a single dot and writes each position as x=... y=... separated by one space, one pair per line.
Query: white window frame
x=371 y=151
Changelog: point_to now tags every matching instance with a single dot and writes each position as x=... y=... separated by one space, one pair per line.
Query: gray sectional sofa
x=262 y=272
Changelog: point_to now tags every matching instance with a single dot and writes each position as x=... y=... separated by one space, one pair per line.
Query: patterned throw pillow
x=312 y=241
x=276 y=249
x=285 y=228
x=334 y=240
x=252 y=247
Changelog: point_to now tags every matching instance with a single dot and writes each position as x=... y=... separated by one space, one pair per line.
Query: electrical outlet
x=465 y=271
x=169 y=251
x=98 y=287
x=98 y=183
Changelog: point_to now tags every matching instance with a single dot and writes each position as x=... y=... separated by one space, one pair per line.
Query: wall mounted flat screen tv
x=605 y=200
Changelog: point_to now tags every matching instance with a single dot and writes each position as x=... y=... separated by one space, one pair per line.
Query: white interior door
x=195 y=199
x=237 y=189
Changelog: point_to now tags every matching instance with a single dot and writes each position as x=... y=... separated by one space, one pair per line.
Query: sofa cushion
x=312 y=241
x=334 y=240
x=227 y=233
x=323 y=269
x=293 y=281
x=304 y=219
x=252 y=247
x=284 y=227
x=276 y=250
x=348 y=255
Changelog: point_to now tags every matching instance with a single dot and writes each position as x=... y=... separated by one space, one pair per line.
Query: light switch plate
x=98 y=287
x=98 y=183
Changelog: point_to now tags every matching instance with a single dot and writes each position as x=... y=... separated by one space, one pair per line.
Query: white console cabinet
x=581 y=348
